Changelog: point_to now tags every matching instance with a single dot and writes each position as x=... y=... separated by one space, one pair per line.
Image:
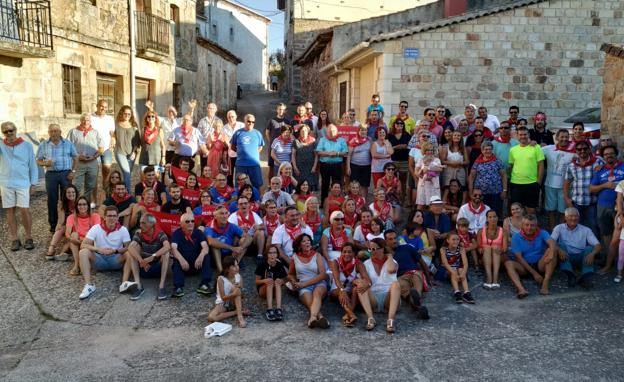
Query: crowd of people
x=369 y=219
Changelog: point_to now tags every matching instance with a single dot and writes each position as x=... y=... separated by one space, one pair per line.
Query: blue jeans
x=55 y=181
x=125 y=164
x=588 y=217
x=179 y=274
x=254 y=173
x=576 y=259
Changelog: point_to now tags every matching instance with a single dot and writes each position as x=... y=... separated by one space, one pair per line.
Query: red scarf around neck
x=464 y=239
x=186 y=133
x=293 y=232
x=390 y=183
x=481 y=159
x=86 y=130
x=532 y=237
x=478 y=211
x=108 y=231
x=225 y=192
x=359 y=202
x=379 y=262
x=218 y=230
x=16 y=142
x=150 y=238
x=286 y=181
x=150 y=135
x=350 y=220
x=503 y=139
x=307 y=140
x=245 y=222
x=153 y=186
x=592 y=159
x=306 y=255
x=384 y=211
x=347 y=267
x=188 y=236
x=285 y=141
x=339 y=241
x=118 y=199
x=149 y=207
x=357 y=141
x=612 y=168
x=314 y=223
x=567 y=149
x=271 y=223
x=366 y=229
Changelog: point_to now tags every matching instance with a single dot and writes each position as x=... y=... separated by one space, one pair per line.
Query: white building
x=245 y=33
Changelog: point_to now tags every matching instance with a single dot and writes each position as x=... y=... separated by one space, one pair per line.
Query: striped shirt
x=283 y=150
x=61 y=154
x=580 y=179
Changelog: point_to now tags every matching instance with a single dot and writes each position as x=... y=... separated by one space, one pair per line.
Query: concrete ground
x=47 y=334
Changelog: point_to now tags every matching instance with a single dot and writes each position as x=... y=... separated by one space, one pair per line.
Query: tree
x=277 y=61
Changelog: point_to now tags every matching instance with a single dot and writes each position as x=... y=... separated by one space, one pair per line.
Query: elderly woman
x=187 y=140
x=490 y=176
x=335 y=236
x=350 y=282
x=455 y=157
x=359 y=159
x=78 y=224
x=304 y=160
x=152 y=142
x=331 y=151
x=127 y=141
x=308 y=276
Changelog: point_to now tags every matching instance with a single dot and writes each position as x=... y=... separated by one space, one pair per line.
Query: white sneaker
x=126 y=286
x=495 y=286
x=487 y=286
x=617 y=279
x=87 y=291
x=93 y=205
x=289 y=286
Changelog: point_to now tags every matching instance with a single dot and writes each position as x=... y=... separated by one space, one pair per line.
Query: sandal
x=390 y=326
x=522 y=295
x=312 y=323
x=370 y=324
x=50 y=255
x=74 y=272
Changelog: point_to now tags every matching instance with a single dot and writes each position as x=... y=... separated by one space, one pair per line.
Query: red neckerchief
x=215 y=136
x=215 y=227
x=350 y=220
x=532 y=237
x=335 y=203
x=226 y=191
x=245 y=222
x=478 y=211
x=611 y=168
x=512 y=122
x=150 y=238
x=271 y=224
x=481 y=159
x=357 y=141
x=285 y=142
x=150 y=134
x=118 y=200
x=464 y=239
x=303 y=197
x=334 y=139
x=308 y=255
x=568 y=149
x=107 y=231
x=153 y=187
x=347 y=268
x=359 y=202
x=188 y=236
x=186 y=133
x=16 y=142
x=394 y=182
x=293 y=232
x=385 y=210
x=592 y=159
x=365 y=229
x=286 y=181
x=307 y=140
x=85 y=131
x=149 y=207
x=338 y=242
x=503 y=139
x=313 y=223
x=379 y=262
x=439 y=123
x=207 y=214
x=309 y=115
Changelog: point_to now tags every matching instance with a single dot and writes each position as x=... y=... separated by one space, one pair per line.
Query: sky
x=269 y=9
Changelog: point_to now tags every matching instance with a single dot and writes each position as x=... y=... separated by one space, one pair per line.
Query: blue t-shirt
x=227 y=236
x=189 y=250
x=407 y=256
x=372 y=107
x=255 y=194
x=339 y=145
x=444 y=222
x=247 y=144
x=532 y=251
x=607 y=196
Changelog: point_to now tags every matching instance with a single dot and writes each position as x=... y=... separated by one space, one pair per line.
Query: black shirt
x=177 y=209
x=400 y=155
x=543 y=138
x=120 y=206
x=274 y=127
x=265 y=271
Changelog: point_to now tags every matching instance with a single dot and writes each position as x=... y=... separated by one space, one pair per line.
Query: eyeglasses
x=112 y=216
x=352 y=114
x=430 y=114
x=582 y=149
x=478 y=135
x=189 y=221
x=338 y=219
x=251 y=122
x=205 y=196
x=375 y=248
x=8 y=131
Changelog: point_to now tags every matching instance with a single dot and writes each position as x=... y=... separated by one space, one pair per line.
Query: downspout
x=132 y=30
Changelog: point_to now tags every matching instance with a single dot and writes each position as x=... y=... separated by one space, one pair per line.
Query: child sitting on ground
x=229 y=300
x=468 y=242
x=455 y=267
x=270 y=276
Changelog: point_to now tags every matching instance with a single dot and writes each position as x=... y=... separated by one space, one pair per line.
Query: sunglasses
x=338 y=219
x=250 y=122
x=8 y=131
x=430 y=114
x=189 y=221
x=582 y=149
x=478 y=135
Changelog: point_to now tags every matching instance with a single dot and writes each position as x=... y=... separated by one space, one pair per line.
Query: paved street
x=47 y=334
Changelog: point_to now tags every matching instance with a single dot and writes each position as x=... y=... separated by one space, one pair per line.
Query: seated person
x=362 y=230
x=190 y=256
x=226 y=238
x=533 y=252
x=122 y=201
x=251 y=224
x=229 y=299
x=436 y=220
x=146 y=204
x=247 y=191
x=289 y=183
x=184 y=164
x=382 y=209
x=270 y=277
x=281 y=198
x=150 y=181
x=577 y=246
x=285 y=234
x=241 y=181
x=176 y=205
x=475 y=211
x=149 y=256
x=205 y=211
x=335 y=236
x=221 y=192
x=334 y=200
x=104 y=249
x=76 y=228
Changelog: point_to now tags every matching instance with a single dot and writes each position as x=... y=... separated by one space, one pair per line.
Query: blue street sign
x=411 y=53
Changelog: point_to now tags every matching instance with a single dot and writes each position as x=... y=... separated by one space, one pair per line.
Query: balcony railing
x=152 y=33
x=26 y=22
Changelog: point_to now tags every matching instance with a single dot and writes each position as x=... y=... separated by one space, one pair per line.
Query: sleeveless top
x=306 y=271
x=492 y=243
x=512 y=229
x=382 y=281
x=378 y=164
x=227 y=287
x=347 y=282
x=453 y=258
x=454 y=156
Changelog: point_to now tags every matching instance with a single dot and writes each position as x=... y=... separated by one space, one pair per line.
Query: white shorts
x=15 y=197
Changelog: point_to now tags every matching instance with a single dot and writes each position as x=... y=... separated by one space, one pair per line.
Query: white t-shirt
x=380 y=283
x=281 y=237
x=105 y=125
x=492 y=123
x=477 y=221
x=233 y=219
x=187 y=148
x=557 y=162
x=114 y=240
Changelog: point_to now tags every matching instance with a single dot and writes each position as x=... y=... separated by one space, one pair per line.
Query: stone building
x=540 y=55
x=57 y=70
x=612 y=112
x=303 y=19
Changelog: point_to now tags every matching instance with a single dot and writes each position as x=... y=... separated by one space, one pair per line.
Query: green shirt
x=525 y=162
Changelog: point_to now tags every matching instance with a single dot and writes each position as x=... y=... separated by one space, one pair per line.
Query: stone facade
x=93 y=41
x=313 y=85
x=612 y=113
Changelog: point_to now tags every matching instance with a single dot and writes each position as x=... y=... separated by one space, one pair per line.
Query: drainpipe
x=132 y=30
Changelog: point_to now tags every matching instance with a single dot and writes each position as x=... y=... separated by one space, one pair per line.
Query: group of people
x=474 y=185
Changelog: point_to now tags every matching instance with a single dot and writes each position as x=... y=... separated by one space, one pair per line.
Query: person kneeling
x=229 y=289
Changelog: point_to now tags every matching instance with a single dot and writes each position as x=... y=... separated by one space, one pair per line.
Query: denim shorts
x=310 y=288
x=106 y=157
x=108 y=262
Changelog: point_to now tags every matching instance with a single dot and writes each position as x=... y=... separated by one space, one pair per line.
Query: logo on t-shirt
x=246 y=140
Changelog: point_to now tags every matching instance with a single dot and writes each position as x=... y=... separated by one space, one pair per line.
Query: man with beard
x=285 y=234
x=540 y=134
x=122 y=200
x=489 y=120
x=176 y=205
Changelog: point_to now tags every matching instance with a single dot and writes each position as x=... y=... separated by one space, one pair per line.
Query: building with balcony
x=57 y=58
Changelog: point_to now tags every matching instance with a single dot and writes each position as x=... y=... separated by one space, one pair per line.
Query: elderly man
x=190 y=249
x=121 y=199
x=90 y=145
x=104 y=248
x=187 y=140
x=475 y=211
x=248 y=143
x=285 y=234
x=148 y=256
x=104 y=124
x=578 y=246
x=18 y=176
x=533 y=252
x=281 y=198
x=226 y=238
x=527 y=172
x=250 y=223
x=205 y=127
x=436 y=220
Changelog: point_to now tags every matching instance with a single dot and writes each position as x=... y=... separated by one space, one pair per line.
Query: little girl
x=229 y=301
x=468 y=242
x=270 y=277
x=492 y=242
x=428 y=169
x=455 y=267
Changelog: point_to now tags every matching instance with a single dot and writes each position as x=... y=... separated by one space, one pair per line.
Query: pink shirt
x=83 y=225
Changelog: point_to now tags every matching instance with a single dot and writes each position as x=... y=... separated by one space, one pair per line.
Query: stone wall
x=224 y=98
x=541 y=57
x=314 y=86
x=612 y=114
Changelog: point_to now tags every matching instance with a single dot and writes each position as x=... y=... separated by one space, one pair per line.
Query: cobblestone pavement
x=47 y=334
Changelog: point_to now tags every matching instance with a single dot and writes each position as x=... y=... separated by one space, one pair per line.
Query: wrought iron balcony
x=152 y=36
x=25 y=28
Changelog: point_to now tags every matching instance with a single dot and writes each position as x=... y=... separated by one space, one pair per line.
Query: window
x=343 y=97
x=72 y=100
x=174 y=15
x=109 y=89
x=210 y=84
x=231 y=33
x=225 y=89
x=177 y=97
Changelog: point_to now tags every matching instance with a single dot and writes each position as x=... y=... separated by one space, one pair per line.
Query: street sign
x=411 y=53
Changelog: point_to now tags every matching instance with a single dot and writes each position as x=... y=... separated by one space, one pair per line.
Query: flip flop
x=522 y=295
x=370 y=324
